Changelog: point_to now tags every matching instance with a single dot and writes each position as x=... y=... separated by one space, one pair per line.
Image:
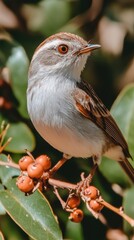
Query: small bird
x=65 y=110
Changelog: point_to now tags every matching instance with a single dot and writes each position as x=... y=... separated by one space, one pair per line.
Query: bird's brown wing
x=91 y=107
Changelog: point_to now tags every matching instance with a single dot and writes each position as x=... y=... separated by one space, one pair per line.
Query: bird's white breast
x=53 y=114
x=69 y=142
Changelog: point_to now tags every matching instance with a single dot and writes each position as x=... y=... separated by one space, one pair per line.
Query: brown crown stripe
x=62 y=36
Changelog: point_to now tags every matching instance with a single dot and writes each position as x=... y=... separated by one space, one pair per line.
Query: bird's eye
x=63 y=49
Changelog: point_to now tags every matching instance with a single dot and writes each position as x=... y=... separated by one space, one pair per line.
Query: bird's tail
x=128 y=168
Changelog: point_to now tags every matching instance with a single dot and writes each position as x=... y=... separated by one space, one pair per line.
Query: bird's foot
x=85 y=181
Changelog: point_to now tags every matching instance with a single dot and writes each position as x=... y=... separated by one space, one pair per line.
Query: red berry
x=25 y=183
x=73 y=201
x=92 y=192
x=35 y=170
x=76 y=216
x=96 y=206
x=24 y=162
x=45 y=161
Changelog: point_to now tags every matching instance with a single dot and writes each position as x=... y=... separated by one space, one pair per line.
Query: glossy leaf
x=48 y=10
x=1 y=236
x=128 y=204
x=74 y=231
x=14 y=57
x=22 y=138
x=32 y=213
x=6 y=173
x=18 y=64
x=123 y=112
x=10 y=230
x=2 y=209
x=113 y=172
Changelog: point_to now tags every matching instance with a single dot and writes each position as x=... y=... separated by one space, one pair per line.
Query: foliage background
x=23 y=25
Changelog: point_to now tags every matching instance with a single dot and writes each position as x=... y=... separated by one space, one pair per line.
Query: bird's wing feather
x=91 y=107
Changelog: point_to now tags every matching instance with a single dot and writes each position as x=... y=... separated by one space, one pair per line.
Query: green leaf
x=123 y=112
x=113 y=172
x=18 y=64
x=1 y=236
x=48 y=10
x=128 y=203
x=32 y=213
x=2 y=209
x=6 y=173
x=74 y=231
x=22 y=138
x=14 y=57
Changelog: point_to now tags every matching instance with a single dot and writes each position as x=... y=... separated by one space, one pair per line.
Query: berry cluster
x=90 y=195
x=32 y=171
x=76 y=215
x=36 y=173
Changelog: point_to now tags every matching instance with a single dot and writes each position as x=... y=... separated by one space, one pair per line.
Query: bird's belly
x=66 y=141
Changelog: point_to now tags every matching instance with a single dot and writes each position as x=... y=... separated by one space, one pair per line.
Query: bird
x=65 y=110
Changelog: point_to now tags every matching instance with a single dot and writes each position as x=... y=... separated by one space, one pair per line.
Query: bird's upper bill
x=89 y=48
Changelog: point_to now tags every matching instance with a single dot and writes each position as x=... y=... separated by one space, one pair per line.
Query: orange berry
x=96 y=206
x=45 y=161
x=8 y=105
x=92 y=192
x=76 y=216
x=25 y=183
x=35 y=170
x=73 y=201
x=2 y=101
x=24 y=162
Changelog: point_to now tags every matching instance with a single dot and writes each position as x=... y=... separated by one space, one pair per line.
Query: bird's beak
x=89 y=48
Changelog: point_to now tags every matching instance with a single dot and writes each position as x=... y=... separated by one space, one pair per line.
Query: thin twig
x=62 y=202
x=57 y=166
x=61 y=184
x=6 y=143
x=3 y=133
x=118 y=211
x=9 y=164
x=29 y=154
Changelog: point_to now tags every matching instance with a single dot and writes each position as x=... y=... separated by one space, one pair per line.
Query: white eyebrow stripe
x=52 y=43
x=48 y=45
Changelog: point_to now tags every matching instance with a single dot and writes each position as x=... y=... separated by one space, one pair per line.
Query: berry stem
x=58 y=165
x=118 y=211
x=9 y=164
x=63 y=204
x=6 y=143
x=61 y=184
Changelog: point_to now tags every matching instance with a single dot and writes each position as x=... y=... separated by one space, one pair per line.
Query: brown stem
x=85 y=182
x=61 y=184
x=118 y=211
x=92 y=173
x=62 y=202
x=4 y=146
x=9 y=164
x=57 y=166
x=93 y=170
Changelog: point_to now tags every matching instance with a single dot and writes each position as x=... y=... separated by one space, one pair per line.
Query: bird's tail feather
x=128 y=168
